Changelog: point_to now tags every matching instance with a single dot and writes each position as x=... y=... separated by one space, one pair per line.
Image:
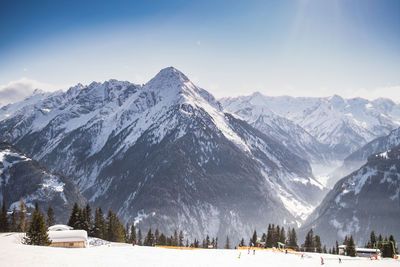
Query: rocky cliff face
x=21 y=176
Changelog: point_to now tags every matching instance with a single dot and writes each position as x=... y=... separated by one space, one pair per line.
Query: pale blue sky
x=307 y=47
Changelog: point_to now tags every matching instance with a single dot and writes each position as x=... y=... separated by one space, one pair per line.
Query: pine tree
x=241 y=244
x=4 y=225
x=99 y=224
x=132 y=237
x=181 y=239
x=216 y=242
x=289 y=233
x=317 y=244
x=309 y=242
x=149 y=240
x=207 y=241
x=175 y=239
x=337 y=247
x=227 y=245
x=293 y=239
x=127 y=235
x=37 y=232
x=351 y=247
x=14 y=221
x=139 y=240
x=163 y=240
x=372 y=239
x=74 y=218
x=276 y=235
x=264 y=238
x=253 y=239
x=23 y=223
x=270 y=236
x=118 y=230
x=115 y=230
x=282 y=236
x=156 y=237
x=324 y=250
x=196 y=243
x=50 y=217
x=86 y=219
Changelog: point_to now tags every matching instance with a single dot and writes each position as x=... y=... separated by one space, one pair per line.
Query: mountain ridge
x=169 y=147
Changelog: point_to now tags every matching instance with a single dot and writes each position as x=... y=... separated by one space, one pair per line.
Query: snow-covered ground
x=13 y=253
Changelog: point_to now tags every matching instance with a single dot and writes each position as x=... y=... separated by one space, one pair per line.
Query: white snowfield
x=13 y=253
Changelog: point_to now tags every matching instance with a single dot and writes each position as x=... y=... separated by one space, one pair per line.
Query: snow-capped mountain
x=165 y=154
x=255 y=111
x=366 y=200
x=342 y=124
x=356 y=159
x=21 y=176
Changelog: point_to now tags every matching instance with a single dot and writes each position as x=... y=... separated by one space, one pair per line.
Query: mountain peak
x=170 y=82
x=171 y=73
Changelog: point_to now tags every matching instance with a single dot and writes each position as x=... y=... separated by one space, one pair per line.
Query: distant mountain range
x=343 y=125
x=167 y=154
x=366 y=200
x=359 y=157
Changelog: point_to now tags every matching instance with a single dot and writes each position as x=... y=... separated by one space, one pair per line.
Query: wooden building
x=64 y=236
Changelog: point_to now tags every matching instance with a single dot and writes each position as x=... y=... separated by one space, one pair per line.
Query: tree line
x=17 y=220
x=274 y=235
x=35 y=227
x=109 y=227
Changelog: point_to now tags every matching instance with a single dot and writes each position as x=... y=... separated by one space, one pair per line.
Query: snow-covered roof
x=60 y=227
x=68 y=236
x=366 y=250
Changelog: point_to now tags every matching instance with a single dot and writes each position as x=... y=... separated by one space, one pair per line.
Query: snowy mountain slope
x=342 y=124
x=366 y=200
x=23 y=177
x=356 y=159
x=167 y=147
x=255 y=111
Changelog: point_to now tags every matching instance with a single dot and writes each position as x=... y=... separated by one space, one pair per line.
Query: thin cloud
x=18 y=90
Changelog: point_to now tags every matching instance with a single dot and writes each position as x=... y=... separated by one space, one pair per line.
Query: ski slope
x=13 y=253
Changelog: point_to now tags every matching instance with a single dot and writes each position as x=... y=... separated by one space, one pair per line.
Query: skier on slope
x=322 y=261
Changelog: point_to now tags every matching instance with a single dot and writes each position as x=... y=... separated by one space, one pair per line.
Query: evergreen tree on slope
x=4 y=225
x=37 y=232
x=50 y=217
